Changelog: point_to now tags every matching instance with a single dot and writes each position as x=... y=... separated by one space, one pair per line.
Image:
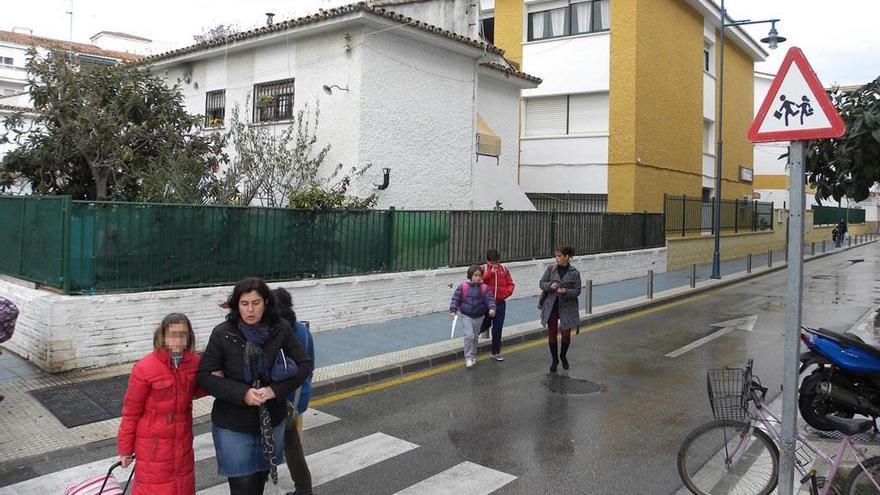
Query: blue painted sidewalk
x=362 y=341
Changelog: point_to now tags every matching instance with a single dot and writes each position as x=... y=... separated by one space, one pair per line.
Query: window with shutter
x=588 y=113
x=546 y=116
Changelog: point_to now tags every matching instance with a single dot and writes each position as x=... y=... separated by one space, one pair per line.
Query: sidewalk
x=347 y=357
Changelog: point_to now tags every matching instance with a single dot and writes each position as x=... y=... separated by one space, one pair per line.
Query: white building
x=396 y=93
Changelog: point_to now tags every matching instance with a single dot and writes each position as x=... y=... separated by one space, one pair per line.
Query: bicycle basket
x=727 y=393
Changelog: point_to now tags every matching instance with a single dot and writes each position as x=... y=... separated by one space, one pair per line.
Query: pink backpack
x=465 y=287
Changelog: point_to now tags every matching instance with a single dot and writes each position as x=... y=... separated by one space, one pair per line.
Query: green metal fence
x=686 y=215
x=829 y=215
x=86 y=247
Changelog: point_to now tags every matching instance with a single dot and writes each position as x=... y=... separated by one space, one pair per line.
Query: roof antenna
x=70 y=39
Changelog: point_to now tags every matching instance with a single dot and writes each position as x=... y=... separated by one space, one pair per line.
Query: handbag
x=283 y=368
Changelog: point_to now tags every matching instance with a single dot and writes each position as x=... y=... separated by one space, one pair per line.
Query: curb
x=361 y=379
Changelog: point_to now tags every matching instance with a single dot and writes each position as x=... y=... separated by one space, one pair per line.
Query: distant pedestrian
x=262 y=363
x=562 y=285
x=156 y=425
x=841 y=232
x=500 y=282
x=472 y=300
x=835 y=232
x=297 y=402
x=8 y=316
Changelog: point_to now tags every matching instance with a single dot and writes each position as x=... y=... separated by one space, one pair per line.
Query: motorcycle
x=845 y=382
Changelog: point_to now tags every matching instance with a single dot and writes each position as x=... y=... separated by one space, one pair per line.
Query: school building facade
x=628 y=107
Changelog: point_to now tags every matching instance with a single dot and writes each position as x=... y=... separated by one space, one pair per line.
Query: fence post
x=755 y=215
x=736 y=216
x=644 y=229
x=66 y=206
x=684 y=198
x=389 y=239
x=823 y=246
x=552 y=231
x=650 y=284
x=665 y=227
x=849 y=241
x=749 y=263
x=693 y=275
x=589 y=296
x=812 y=249
x=769 y=258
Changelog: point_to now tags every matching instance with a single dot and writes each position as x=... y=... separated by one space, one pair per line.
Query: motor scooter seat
x=848 y=341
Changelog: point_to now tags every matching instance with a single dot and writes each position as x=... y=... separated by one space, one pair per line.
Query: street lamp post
x=773 y=39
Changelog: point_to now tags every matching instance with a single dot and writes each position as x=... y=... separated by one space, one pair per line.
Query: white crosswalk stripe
x=203 y=445
x=339 y=461
x=466 y=478
x=327 y=465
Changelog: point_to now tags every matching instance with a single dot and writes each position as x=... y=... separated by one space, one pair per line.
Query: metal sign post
x=795 y=109
x=791 y=353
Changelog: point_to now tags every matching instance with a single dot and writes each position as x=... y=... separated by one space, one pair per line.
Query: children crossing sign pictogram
x=796 y=106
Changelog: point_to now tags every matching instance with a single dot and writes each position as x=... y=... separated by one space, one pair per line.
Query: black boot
x=563 y=354
x=252 y=484
x=554 y=353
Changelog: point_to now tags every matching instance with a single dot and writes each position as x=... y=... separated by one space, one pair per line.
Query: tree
x=108 y=132
x=850 y=165
x=216 y=32
x=283 y=167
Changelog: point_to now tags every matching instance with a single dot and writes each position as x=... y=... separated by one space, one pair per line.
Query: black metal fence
x=686 y=215
x=829 y=215
x=84 y=247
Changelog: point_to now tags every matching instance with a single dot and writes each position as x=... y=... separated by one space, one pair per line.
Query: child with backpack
x=500 y=282
x=472 y=300
x=156 y=425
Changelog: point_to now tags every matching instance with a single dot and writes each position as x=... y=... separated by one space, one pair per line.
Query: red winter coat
x=499 y=282
x=157 y=424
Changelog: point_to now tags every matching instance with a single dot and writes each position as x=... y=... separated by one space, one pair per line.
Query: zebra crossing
x=466 y=478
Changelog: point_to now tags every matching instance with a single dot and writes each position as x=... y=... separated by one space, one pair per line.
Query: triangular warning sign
x=796 y=107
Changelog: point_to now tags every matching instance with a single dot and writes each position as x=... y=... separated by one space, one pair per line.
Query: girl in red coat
x=157 y=413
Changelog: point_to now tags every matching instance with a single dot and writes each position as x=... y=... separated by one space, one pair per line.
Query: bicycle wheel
x=859 y=482
x=703 y=460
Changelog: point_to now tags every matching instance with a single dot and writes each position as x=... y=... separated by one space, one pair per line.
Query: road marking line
x=466 y=478
x=336 y=462
x=203 y=447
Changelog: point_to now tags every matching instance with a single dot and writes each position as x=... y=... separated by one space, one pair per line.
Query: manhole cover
x=867 y=438
x=82 y=403
x=565 y=385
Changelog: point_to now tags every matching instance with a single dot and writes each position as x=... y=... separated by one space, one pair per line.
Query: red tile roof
x=53 y=44
x=512 y=72
x=324 y=15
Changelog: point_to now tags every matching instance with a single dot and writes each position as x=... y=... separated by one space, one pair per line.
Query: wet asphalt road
x=503 y=416
x=624 y=440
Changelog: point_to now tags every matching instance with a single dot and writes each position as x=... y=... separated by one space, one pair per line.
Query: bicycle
x=738 y=452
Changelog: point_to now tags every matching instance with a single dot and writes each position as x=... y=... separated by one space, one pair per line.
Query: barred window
x=215 y=108
x=273 y=101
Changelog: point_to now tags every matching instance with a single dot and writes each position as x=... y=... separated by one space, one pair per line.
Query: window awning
x=488 y=142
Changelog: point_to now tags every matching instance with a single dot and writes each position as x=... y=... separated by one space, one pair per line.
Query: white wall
x=125 y=45
x=60 y=333
x=451 y=15
x=575 y=64
x=496 y=180
x=766 y=155
x=418 y=119
x=312 y=62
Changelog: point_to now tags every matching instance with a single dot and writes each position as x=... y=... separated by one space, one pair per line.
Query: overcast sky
x=839 y=37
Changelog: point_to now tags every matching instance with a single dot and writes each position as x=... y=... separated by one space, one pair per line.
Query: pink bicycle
x=738 y=452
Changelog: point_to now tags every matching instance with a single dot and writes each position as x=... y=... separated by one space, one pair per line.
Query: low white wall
x=61 y=333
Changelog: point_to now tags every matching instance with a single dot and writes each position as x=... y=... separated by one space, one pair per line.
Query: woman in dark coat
x=560 y=314
x=253 y=324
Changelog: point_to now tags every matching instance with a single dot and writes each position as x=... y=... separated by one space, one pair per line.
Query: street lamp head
x=773 y=39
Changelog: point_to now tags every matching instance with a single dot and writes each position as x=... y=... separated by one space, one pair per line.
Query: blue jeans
x=497 y=324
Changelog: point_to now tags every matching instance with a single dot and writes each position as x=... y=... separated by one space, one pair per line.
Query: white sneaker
x=469 y=363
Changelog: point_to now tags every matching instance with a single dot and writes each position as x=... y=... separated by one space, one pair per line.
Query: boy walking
x=500 y=282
